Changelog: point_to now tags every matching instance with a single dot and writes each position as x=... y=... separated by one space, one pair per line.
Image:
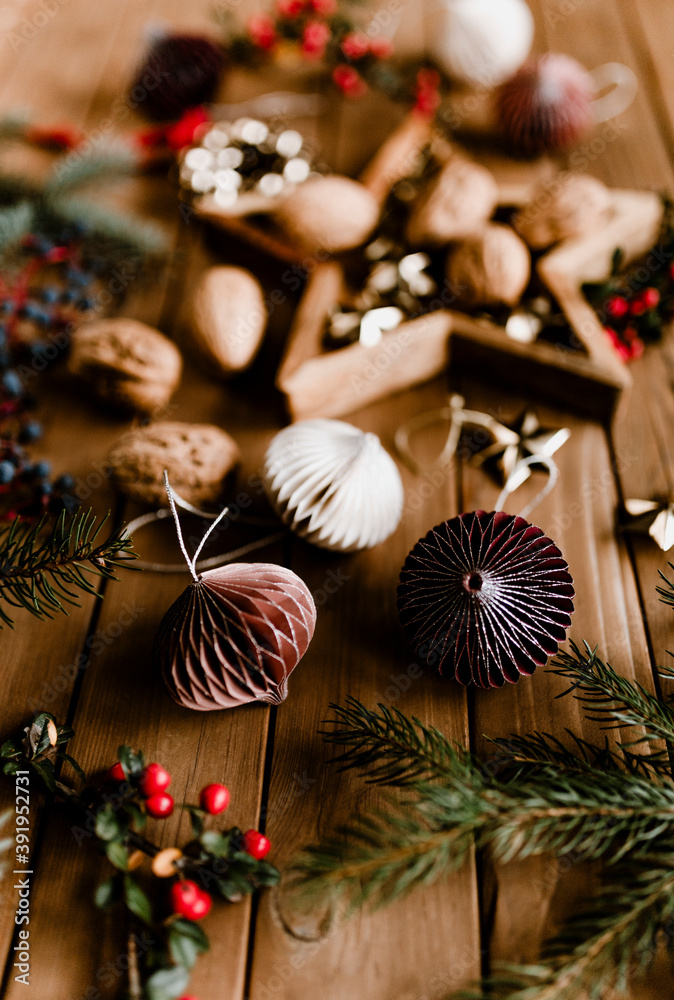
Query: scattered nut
x=163 y=864
x=126 y=363
x=198 y=457
x=490 y=269
x=454 y=206
x=567 y=205
x=228 y=318
x=136 y=859
x=330 y=213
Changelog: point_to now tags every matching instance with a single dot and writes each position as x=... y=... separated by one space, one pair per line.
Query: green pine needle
x=47 y=564
x=535 y=795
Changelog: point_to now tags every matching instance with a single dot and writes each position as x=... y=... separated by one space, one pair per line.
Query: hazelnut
x=454 y=206
x=565 y=206
x=490 y=269
x=126 y=363
x=330 y=213
x=199 y=457
x=228 y=318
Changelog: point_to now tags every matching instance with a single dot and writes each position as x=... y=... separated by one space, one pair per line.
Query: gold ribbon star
x=524 y=439
x=655 y=517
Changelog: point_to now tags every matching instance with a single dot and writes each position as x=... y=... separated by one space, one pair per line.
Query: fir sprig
x=536 y=794
x=45 y=565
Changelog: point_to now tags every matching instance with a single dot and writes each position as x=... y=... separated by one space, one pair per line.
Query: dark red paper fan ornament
x=487 y=597
x=234 y=636
x=180 y=72
x=547 y=105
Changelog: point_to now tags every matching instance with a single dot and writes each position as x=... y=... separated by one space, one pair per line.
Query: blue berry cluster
x=36 y=319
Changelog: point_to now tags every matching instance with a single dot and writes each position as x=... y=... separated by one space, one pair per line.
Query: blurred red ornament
x=616 y=307
x=314 y=39
x=486 y=596
x=57 y=137
x=289 y=8
x=262 y=31
x=185 y=131
x=349 y=81
x=381 y=47
x=355 y=45
x=547 y=105
x=427 y=92
x=650 y=298
x=326 y=8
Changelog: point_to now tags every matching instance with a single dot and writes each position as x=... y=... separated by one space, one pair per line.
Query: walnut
x=490 y=269
x=454 y=206
x=567 y=205
x=330 y=213
x=199 y=458
x=228 y=318
x=126 y=363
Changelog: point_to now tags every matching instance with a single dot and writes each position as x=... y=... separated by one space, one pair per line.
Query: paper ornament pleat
x=234 y=636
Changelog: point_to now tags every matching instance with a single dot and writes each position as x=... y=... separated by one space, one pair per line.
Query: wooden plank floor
x=73 y=67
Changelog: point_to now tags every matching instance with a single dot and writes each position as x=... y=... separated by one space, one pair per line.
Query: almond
x=228 y=318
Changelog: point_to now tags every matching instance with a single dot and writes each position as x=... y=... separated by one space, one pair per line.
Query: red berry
x=630 y=333
x=616 y=307
x=638 y=307
x=160 y=805
x=256 y=844
x=650 y=298
x=188 y=900
x=116 y=773
x=214 y=799
x=155 y=779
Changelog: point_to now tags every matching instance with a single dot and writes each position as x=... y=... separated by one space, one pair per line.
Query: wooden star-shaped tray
x=588 y=377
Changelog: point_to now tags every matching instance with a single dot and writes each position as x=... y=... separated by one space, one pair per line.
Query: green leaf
x=107 y=894
x=167 y=984
x=10 y=767
x=108 y=825
x=215 y=843
x=11 y=748
x=136 y=900
x=190 y=929
x=73 y=763
x=117 y=854
x=46 y=773
x=182 y=948
x=132 y=761
x=197 y=823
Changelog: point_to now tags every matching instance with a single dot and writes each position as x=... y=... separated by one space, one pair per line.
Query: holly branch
x=178 y=891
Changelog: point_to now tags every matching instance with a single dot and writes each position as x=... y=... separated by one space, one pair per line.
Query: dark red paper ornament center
x=487 y=597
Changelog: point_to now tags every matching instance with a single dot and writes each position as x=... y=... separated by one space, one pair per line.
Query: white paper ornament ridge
x=333 y=484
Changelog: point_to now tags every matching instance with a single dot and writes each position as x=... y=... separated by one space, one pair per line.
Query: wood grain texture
x=357 y=650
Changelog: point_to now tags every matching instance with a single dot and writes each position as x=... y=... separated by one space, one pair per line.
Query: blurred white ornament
x=333 y=484
x=480 y=42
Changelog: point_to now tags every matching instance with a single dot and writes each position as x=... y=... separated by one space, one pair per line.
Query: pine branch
x=613 y=700
x=402 y=750
x=40 y=572
x=16 y=221
x=601 y=946
x=523 y=754
x=585 y=812
x=667 y=592
x=75 y=171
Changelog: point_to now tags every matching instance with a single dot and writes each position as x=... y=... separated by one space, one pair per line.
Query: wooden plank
x=40 y=678
x=431 y=940
x=579 y=517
